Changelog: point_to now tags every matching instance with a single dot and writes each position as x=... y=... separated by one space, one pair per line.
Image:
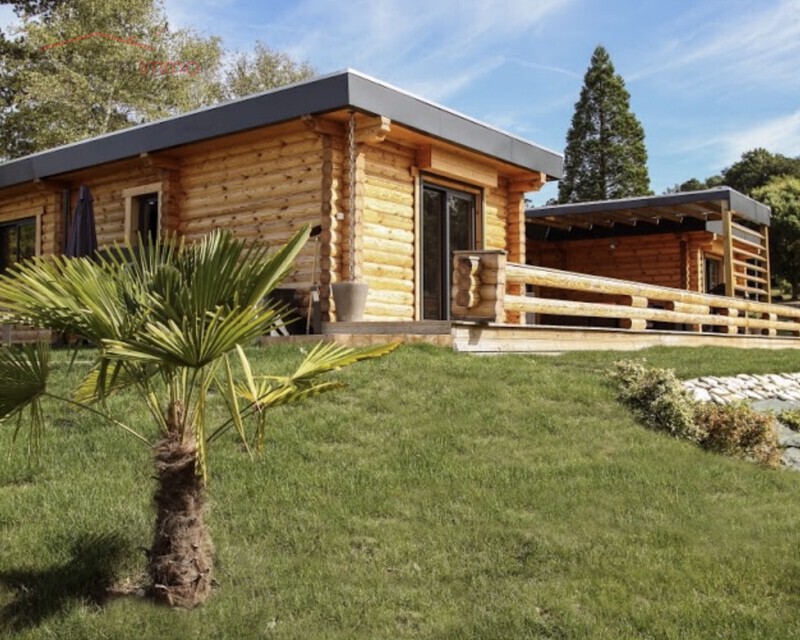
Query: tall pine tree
x=605 y=156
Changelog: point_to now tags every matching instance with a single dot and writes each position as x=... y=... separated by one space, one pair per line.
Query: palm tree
x=167 y=320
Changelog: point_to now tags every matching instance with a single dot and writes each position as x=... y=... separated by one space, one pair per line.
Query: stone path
x=770 y=392
x=784 y=387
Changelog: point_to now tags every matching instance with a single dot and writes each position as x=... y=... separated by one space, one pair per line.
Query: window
x=142 y=212
x=713 y=275
x=147 y=210
x=17 y=241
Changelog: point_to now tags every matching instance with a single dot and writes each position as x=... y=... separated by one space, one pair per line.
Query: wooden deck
x=513 y=338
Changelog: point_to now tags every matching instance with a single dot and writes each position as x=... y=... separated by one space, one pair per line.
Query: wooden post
x=727 y=241
x=479 y=286
x=732 y=313
x=768 y=275
x=771 y=331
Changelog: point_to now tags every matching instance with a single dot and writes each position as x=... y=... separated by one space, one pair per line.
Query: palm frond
x=326 y=357
x=23 y=376
x=23 y=381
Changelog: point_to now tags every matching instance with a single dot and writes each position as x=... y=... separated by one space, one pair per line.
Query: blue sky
x=709 y=79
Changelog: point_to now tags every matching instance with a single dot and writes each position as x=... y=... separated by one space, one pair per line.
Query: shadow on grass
x=43 y=593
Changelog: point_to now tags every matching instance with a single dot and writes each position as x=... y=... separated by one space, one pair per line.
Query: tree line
x=606 y=159
x=74 y=70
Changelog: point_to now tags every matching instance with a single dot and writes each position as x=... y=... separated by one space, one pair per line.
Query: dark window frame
x=16 y=225
x=447 y=189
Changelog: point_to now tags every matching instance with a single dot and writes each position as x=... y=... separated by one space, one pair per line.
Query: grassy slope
x=440 y=496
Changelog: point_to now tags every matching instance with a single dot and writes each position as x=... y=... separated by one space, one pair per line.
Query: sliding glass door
x=448 y=224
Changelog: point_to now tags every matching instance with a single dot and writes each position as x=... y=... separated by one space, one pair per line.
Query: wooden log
x=383 y=206
x=770 y=331
x=684 y=307
x=633 y=324
x=468 y=266
x=259 y=152
x=389 y=271
x=467 y=282
x=382 y=257
x=543 y=276
x=389 y=220
x=199 y=176
x=569 y=308
x=634 y=301
x=386 y=245
x=254 y=191
x=391 y=297
x=389 y=284
x=392 y=193
x=388 y=233
x=468 y=298
x=387 y=310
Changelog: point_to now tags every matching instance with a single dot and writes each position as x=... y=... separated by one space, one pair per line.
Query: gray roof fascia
x=323 y=94
x=430 y=118
x=751 y=209
x=345 y=89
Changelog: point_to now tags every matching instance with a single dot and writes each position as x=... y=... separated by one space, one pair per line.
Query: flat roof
x=347 y=89
x=706 y=205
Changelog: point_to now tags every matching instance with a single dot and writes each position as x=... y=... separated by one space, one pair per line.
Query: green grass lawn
x=439 y=496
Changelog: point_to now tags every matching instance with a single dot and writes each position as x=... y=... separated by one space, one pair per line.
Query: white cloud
x=418 y=44
x=780 y=135
x=756 y=44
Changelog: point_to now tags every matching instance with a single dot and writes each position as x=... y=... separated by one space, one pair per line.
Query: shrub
x=791 y=418
x=657 y=398
x=740 y=431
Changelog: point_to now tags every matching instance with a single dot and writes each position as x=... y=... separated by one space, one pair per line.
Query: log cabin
x=677 y=269
x=394 y=181
x=710 y=241
x=423 y=205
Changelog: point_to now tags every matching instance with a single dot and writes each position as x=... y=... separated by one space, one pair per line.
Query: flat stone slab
x=772 y=393
x=783 y=387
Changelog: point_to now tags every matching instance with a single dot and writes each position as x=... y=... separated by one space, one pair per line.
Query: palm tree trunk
x=181 y=559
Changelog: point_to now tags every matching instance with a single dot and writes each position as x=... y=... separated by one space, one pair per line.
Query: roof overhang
x=342 y=90
x=707 y=205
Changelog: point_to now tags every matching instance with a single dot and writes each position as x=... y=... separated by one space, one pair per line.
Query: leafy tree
x=167 y=321
x=81 y=69
x=262 y=69
x=753 y=170
x=757 y=167
x=693 y=184
x=90 y=68
x=605 y=156
x=782 y=194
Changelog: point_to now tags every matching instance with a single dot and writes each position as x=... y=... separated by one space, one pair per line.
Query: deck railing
x=486 y=288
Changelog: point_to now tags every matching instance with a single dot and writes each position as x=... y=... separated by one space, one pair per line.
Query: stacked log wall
x=37 y=201
x=388 y=232
x=265 y=189
x=109 y=203
x=656 y=259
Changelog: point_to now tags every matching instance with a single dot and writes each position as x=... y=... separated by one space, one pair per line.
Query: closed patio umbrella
x=82 y=239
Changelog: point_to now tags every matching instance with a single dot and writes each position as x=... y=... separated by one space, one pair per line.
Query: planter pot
x=350 y=299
